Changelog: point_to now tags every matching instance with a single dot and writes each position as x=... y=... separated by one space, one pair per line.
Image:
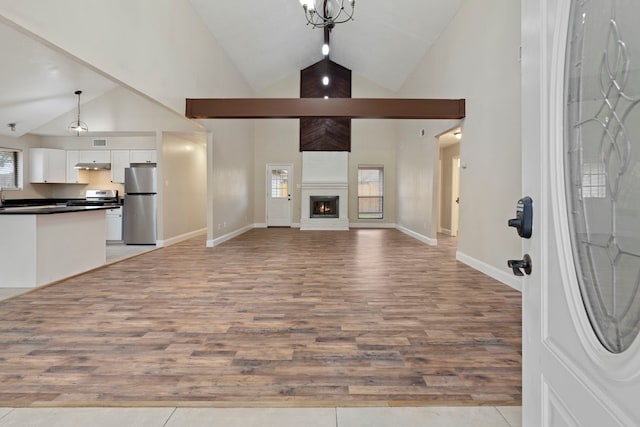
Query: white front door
x=279 y=181
x=581 y=167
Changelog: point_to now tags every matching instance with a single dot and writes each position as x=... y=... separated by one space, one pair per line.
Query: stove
x=97 y=198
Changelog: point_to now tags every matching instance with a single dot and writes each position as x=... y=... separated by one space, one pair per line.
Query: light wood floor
x=275 y=317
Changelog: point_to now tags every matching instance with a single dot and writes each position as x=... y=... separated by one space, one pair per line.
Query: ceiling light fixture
x=12 y=126
x=325 y=80
x=77 y=126
x=325 y=49
x=327 y=13
x=458 y=134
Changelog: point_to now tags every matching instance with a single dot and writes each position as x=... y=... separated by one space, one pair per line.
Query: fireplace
x=324 y=206
x=325 y=183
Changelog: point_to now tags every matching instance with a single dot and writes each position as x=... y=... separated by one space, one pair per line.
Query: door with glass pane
x=279 y=191
x=581 y=167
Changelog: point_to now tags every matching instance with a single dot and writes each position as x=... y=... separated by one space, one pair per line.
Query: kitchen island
x=44 y=244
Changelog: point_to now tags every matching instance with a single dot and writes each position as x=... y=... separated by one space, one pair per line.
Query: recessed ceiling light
x=325 y=49
x=325 y=80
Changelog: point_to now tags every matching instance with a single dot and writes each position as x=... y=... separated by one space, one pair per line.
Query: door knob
x=518 y=265
x=523 y=222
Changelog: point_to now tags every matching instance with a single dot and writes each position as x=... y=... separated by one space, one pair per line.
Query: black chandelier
x=327 y=13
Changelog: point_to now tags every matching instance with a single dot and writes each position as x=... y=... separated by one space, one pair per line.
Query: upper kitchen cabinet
x=73 y=158
x=143 y=156
x=119 y=161
x=95 y=156
x=47 y=165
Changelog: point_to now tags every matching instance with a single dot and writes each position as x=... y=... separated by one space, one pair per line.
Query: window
x=10 y=168
x=279 y=183
x=370 y=192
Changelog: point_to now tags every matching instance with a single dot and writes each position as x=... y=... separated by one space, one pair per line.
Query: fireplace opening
x=324 y=207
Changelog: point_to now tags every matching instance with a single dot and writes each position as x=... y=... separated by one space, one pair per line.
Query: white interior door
x=581 y=166
x=279 y=181
x=455 y=195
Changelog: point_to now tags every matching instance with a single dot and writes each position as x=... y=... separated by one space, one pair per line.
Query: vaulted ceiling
x=267 y=40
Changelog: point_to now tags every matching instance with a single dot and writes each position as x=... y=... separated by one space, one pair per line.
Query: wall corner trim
x=180 y=238
x=491 y=271
x=424 y=239
x=229 y=236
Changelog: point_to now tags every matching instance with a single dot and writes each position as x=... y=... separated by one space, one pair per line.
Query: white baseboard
x=371 y=225
x=445 y=231
x=491 y=271
x=180 y=238
x=264 y=225
x=424 y=239
x=229 y=236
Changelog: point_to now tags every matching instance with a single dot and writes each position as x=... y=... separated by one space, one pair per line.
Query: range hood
x=93 y=166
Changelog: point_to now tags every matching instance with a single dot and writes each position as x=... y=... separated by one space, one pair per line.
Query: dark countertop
x=48 y=209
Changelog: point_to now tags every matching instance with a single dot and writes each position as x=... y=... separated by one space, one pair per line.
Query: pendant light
x=78 y=126
x=327 y=13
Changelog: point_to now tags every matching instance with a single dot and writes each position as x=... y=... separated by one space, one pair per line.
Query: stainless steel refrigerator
x=140 y=205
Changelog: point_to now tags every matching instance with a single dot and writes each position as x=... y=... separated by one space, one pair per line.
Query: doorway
x=279 y=180
x=449 y=200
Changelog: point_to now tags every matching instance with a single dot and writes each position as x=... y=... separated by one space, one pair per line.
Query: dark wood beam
x=349 y=108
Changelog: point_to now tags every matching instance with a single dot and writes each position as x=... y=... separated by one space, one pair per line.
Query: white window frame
x=369 y=214
x=18 y=169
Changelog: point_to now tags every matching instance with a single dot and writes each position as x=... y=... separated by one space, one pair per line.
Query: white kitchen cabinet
x=95 y=156
x=114 y=223
x=47 y=165
x=73 y=158
x=119 y=161
x=143 y=156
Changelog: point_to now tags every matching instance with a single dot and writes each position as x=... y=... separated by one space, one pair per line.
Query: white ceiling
x=269 y=40
x=37 y=84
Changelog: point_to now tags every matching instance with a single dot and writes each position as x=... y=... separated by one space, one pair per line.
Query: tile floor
x=119 y=251
x=281 y=417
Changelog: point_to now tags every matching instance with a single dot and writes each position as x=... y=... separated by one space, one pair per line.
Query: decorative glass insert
x=279 y=183
x=602 y=164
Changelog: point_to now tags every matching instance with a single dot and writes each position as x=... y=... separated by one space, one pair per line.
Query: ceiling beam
x=349 y=108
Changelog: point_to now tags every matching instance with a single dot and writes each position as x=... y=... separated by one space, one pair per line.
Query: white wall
x=277 y=141
x=184 y=184
x=372 y=143
x=161 y=49
x=477 y=58
x=230 y=177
